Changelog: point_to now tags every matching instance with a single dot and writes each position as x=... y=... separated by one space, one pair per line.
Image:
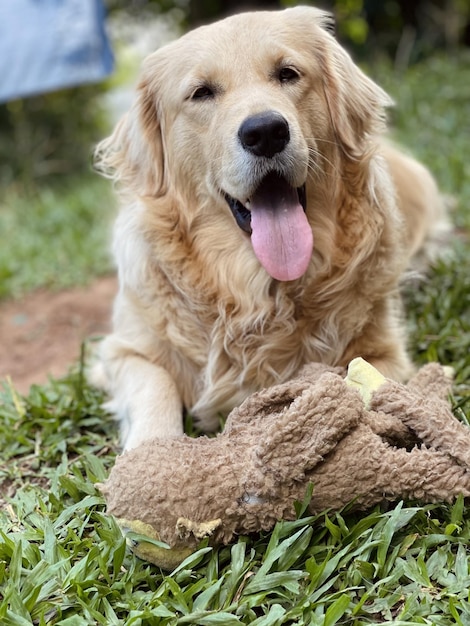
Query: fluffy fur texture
x=199 y=323
x=316 y=429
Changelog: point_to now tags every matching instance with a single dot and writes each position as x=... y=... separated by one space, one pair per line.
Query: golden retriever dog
x=265 y=223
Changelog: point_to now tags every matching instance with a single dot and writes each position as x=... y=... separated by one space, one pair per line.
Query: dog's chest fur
x=226 y=344
x=221 y=325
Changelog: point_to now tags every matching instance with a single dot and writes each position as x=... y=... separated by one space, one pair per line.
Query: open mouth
x=242 y=213
x=275 y=217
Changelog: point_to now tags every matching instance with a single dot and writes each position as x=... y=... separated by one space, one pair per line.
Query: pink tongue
x=281 y=235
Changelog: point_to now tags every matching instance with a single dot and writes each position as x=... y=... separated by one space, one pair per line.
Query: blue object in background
x=51 y=44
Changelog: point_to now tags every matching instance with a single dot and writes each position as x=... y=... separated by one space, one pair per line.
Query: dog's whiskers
x=316 y=161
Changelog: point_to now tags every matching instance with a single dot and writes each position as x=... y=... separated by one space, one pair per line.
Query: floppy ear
x=326 y=20
x=356 y=104
x=300 y=436
x=133 y=155
x=306 y=15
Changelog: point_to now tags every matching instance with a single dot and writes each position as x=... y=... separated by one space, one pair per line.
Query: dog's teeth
x=247 y=204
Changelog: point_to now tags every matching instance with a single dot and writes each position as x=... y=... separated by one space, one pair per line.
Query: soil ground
x=41 y=334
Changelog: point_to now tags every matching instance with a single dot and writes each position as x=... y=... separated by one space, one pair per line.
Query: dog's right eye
x=202 y=93
x=288 y=74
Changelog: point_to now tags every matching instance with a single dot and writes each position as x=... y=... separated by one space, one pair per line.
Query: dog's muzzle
x=275 y=213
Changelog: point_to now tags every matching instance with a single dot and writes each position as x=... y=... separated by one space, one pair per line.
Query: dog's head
x=246 y=111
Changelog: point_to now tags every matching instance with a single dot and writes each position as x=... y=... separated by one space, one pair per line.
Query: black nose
x=264 y=134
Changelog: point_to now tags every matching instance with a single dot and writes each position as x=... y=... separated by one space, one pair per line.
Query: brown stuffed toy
x=364 y=439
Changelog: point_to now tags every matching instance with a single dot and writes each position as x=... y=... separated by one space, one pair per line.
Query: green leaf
x=274 y=617
x=203 y=601
x=269 y=582
x=210 y=619
x=302 y=507
x=336 y=610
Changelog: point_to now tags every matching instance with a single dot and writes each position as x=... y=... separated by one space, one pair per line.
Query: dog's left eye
x=288 y=74
x=202 y=92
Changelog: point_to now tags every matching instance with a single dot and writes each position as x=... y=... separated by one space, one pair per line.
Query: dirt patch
x=41 y=334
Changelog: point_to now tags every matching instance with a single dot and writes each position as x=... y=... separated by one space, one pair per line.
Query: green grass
x=55 y=236
x=63 y=561
x=431 y=119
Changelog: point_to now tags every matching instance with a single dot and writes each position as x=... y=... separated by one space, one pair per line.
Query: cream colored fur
x=198 y=322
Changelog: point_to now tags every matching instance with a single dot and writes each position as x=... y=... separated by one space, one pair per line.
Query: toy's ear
x=263 y=406
x=277 y=399
x=133 y=155
x=298 y=438
x=433 y=379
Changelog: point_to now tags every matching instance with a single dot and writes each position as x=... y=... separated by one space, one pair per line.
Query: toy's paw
x=199 y=530
x=365 y=378
x=144 y=541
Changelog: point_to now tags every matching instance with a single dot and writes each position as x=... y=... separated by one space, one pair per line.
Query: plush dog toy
x=363 y=439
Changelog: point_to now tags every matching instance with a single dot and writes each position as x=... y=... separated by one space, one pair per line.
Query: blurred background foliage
x=46 y=141
x=47 y=136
